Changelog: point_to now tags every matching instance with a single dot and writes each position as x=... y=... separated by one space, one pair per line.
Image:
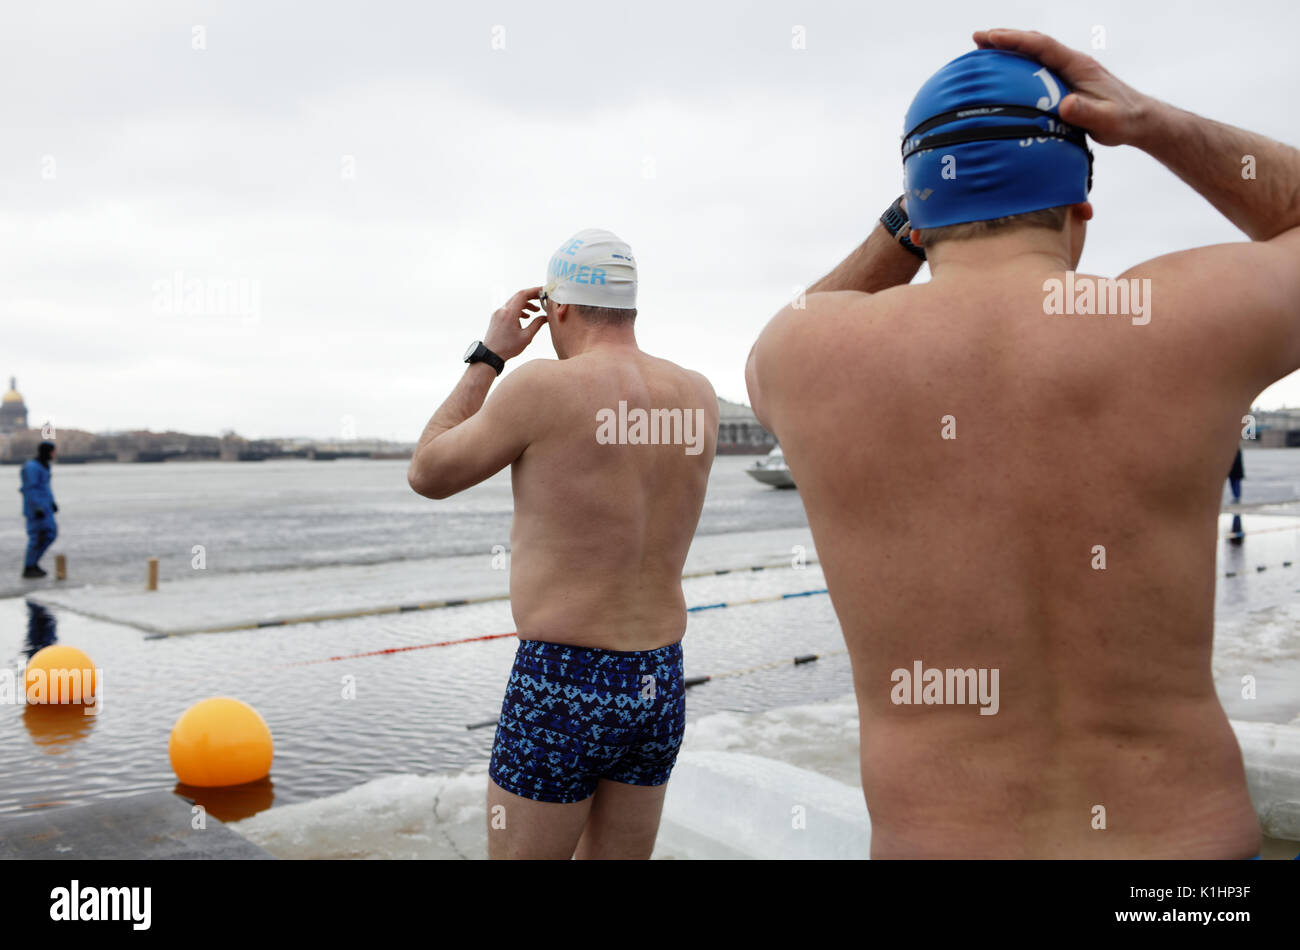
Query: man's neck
x=604 y=338
x=1029 y=249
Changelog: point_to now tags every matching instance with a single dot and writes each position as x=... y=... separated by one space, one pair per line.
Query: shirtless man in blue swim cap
x=1031 y=616
x=609 y=450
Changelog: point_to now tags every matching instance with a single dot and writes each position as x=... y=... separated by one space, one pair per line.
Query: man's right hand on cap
x=1111 y=111
x=505 y=337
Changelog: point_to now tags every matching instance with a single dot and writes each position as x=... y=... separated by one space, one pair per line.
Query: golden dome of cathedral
x=13 y=413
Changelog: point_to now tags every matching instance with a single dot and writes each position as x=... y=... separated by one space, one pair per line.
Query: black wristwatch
x=897 y=224
x=478 y=353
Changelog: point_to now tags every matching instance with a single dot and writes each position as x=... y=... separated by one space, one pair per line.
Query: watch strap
x=898 y=226
x=483 y=355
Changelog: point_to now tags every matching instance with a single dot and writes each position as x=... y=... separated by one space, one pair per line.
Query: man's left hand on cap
x=505 y=336
x=1111 y=111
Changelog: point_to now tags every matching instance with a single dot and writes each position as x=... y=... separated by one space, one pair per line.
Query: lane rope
x=498 y=636
x=462 y=640
x=515 y=633
x=1259 y=569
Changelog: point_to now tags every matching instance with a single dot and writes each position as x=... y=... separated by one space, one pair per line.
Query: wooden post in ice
x=153 y=574
x=60 y=567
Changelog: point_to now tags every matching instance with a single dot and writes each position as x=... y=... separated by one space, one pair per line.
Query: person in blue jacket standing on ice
x=38 y=508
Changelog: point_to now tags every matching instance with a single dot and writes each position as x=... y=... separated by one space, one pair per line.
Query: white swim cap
x=593 y=269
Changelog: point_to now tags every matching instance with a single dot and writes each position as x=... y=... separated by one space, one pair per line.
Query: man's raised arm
x=461 y=446
x=885 y=259
x=1211 y=157
x=1208 y=155
x=1253 y=180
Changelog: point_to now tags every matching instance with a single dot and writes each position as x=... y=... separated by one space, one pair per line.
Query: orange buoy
x=60 y=674
x=219 y=742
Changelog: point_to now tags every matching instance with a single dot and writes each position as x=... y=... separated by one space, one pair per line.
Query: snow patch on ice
x=399 y=816
x=822 y=737
x=791 y=793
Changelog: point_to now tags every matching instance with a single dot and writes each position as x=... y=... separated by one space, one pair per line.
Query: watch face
x=473 y=347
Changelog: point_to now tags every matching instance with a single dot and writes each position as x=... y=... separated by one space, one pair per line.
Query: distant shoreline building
x=739 y=432
x=13 y=411
x=1275 y=429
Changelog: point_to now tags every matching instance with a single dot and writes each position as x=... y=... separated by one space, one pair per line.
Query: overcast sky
x=374 y=179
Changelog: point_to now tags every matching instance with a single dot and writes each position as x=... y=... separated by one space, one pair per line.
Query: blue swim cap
x=984 y=139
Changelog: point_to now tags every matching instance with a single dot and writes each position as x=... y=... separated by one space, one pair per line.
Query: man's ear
x=914 y=236
x=559 y=314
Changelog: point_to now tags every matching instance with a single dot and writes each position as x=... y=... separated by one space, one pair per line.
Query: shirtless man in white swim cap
x=610 y=451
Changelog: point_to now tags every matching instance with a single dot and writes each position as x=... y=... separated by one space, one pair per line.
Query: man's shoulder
x=691 y=383
x=703 y=389
x=531 y=375
x=529 y=391
x=814 y=313
x=688 y=376
x=827 y=323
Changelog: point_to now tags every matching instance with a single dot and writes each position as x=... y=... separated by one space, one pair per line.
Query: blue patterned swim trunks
x=575 y=715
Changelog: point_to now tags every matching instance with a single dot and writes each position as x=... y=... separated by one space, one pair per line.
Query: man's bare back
x=603 y=515
x=979 y=551
x=995 y=488
x=601 y=531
